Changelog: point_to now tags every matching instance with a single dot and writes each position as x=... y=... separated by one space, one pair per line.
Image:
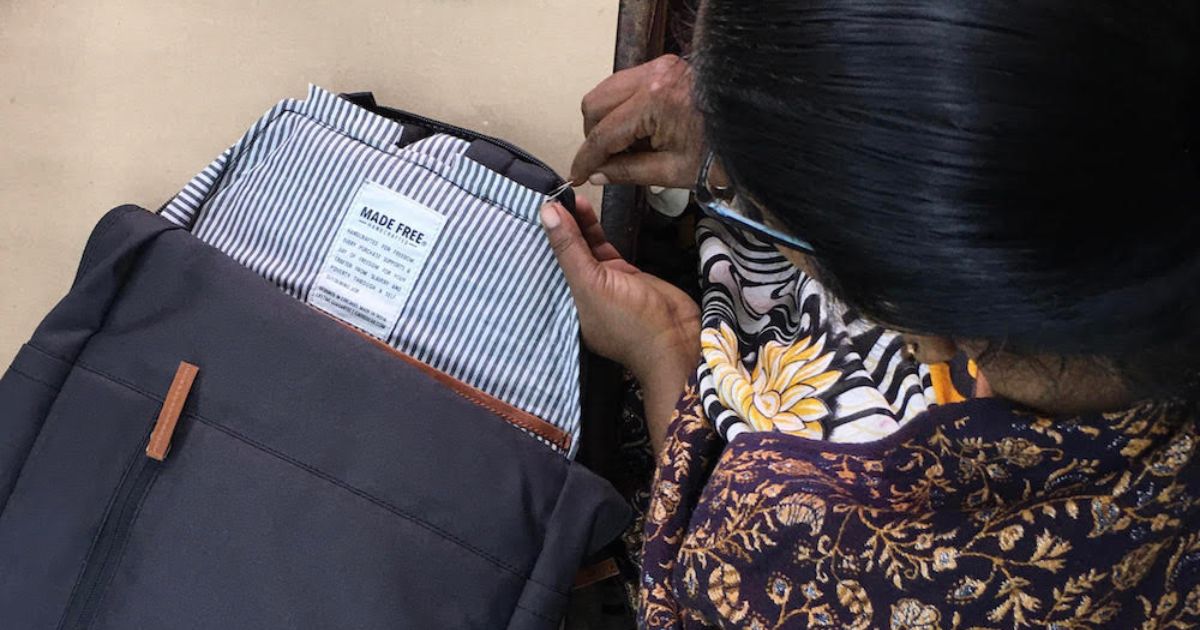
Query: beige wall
x=104 y=102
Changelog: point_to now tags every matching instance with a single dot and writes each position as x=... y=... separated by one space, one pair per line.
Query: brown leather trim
x=168 y=416
x=509 y=413
x=596 y=573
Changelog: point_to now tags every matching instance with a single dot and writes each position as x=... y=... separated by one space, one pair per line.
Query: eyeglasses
x=719 y=203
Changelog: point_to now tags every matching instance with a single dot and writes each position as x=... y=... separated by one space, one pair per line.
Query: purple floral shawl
x=973 y=515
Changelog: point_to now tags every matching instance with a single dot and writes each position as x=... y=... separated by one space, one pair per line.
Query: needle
x=557 y=192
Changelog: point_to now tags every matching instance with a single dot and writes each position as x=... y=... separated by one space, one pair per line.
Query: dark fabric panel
x=326 y=396
x=29 y=387
x=491 y=156
x=488 y=154
x=56 y=508
x=111 y=252
x=578 y=528
x=362 y=99
x=532 y=176
x=206 y=553
x=502 y=161
x=414 y=133
x=27 y=391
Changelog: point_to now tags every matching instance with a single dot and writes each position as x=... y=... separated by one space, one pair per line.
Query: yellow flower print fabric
x=783 y=391
x=781 y=355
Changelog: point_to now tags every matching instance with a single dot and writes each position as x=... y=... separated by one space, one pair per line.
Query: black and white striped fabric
x=780 y=354
x=491 y=307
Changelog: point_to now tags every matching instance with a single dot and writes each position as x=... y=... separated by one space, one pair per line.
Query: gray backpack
x=191 y=439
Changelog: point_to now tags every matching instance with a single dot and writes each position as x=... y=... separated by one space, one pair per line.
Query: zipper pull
x=168 y=416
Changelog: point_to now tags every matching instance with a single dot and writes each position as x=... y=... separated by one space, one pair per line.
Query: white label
x=376 y=257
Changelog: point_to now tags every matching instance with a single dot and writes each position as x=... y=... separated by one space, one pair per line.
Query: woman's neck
x=1055 y=385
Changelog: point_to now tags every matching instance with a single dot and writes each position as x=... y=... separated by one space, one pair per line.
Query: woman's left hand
x=626 y=315
x=632 y=317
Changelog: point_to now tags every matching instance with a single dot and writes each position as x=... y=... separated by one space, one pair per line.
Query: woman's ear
x=799 y=259
x=930 y=349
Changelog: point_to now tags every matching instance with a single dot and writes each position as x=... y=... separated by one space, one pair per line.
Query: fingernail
x=550 y=217
x=598 y=179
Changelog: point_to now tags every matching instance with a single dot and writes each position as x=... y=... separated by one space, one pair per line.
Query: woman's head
x=1025 y=173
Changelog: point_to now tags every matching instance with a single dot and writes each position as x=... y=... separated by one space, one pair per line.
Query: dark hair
x=1019 y=172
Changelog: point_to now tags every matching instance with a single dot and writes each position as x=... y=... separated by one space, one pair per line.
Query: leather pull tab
x=168 y=416
x=596 y=573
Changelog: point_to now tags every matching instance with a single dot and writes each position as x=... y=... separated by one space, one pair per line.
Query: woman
x=1015 y=182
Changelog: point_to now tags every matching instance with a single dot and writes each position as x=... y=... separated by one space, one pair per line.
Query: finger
x=593 y=231
x=621 y=265
x=589 y=223
x=571 y=250
x=619 y=87
x=668 y=170
x=610 y=93
x=618 y=131
x=585 y=213
x=595 y=237
x=607 y=253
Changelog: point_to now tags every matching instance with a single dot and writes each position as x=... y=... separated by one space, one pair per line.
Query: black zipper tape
x=366 y=100
x=104 y=556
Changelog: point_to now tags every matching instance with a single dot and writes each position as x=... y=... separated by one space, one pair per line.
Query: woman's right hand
x=651 y=102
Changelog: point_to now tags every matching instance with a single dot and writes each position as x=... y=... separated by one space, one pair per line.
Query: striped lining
x=491 y=307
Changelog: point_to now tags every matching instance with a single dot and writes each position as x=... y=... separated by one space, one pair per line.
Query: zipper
x=104 y=557
x=447 y=128
x=510 y=414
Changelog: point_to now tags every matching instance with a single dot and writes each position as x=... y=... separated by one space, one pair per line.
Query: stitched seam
x=226 y=181
x=23 y=460
x=120 y=559
x=284 y=142
x=373 y=499
x=13 y=368
x=536 y=613
x=491 y=202
x=46 y=353
x=216 y=186
x=563 y=442
x=507 y=416
x=331 y=479
x=524 y=424
x=106 y=224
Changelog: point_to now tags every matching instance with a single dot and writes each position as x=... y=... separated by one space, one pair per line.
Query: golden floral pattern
x=783 y=392
x=975 y=516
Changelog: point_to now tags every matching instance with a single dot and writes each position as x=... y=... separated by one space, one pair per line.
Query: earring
x=910 y=350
